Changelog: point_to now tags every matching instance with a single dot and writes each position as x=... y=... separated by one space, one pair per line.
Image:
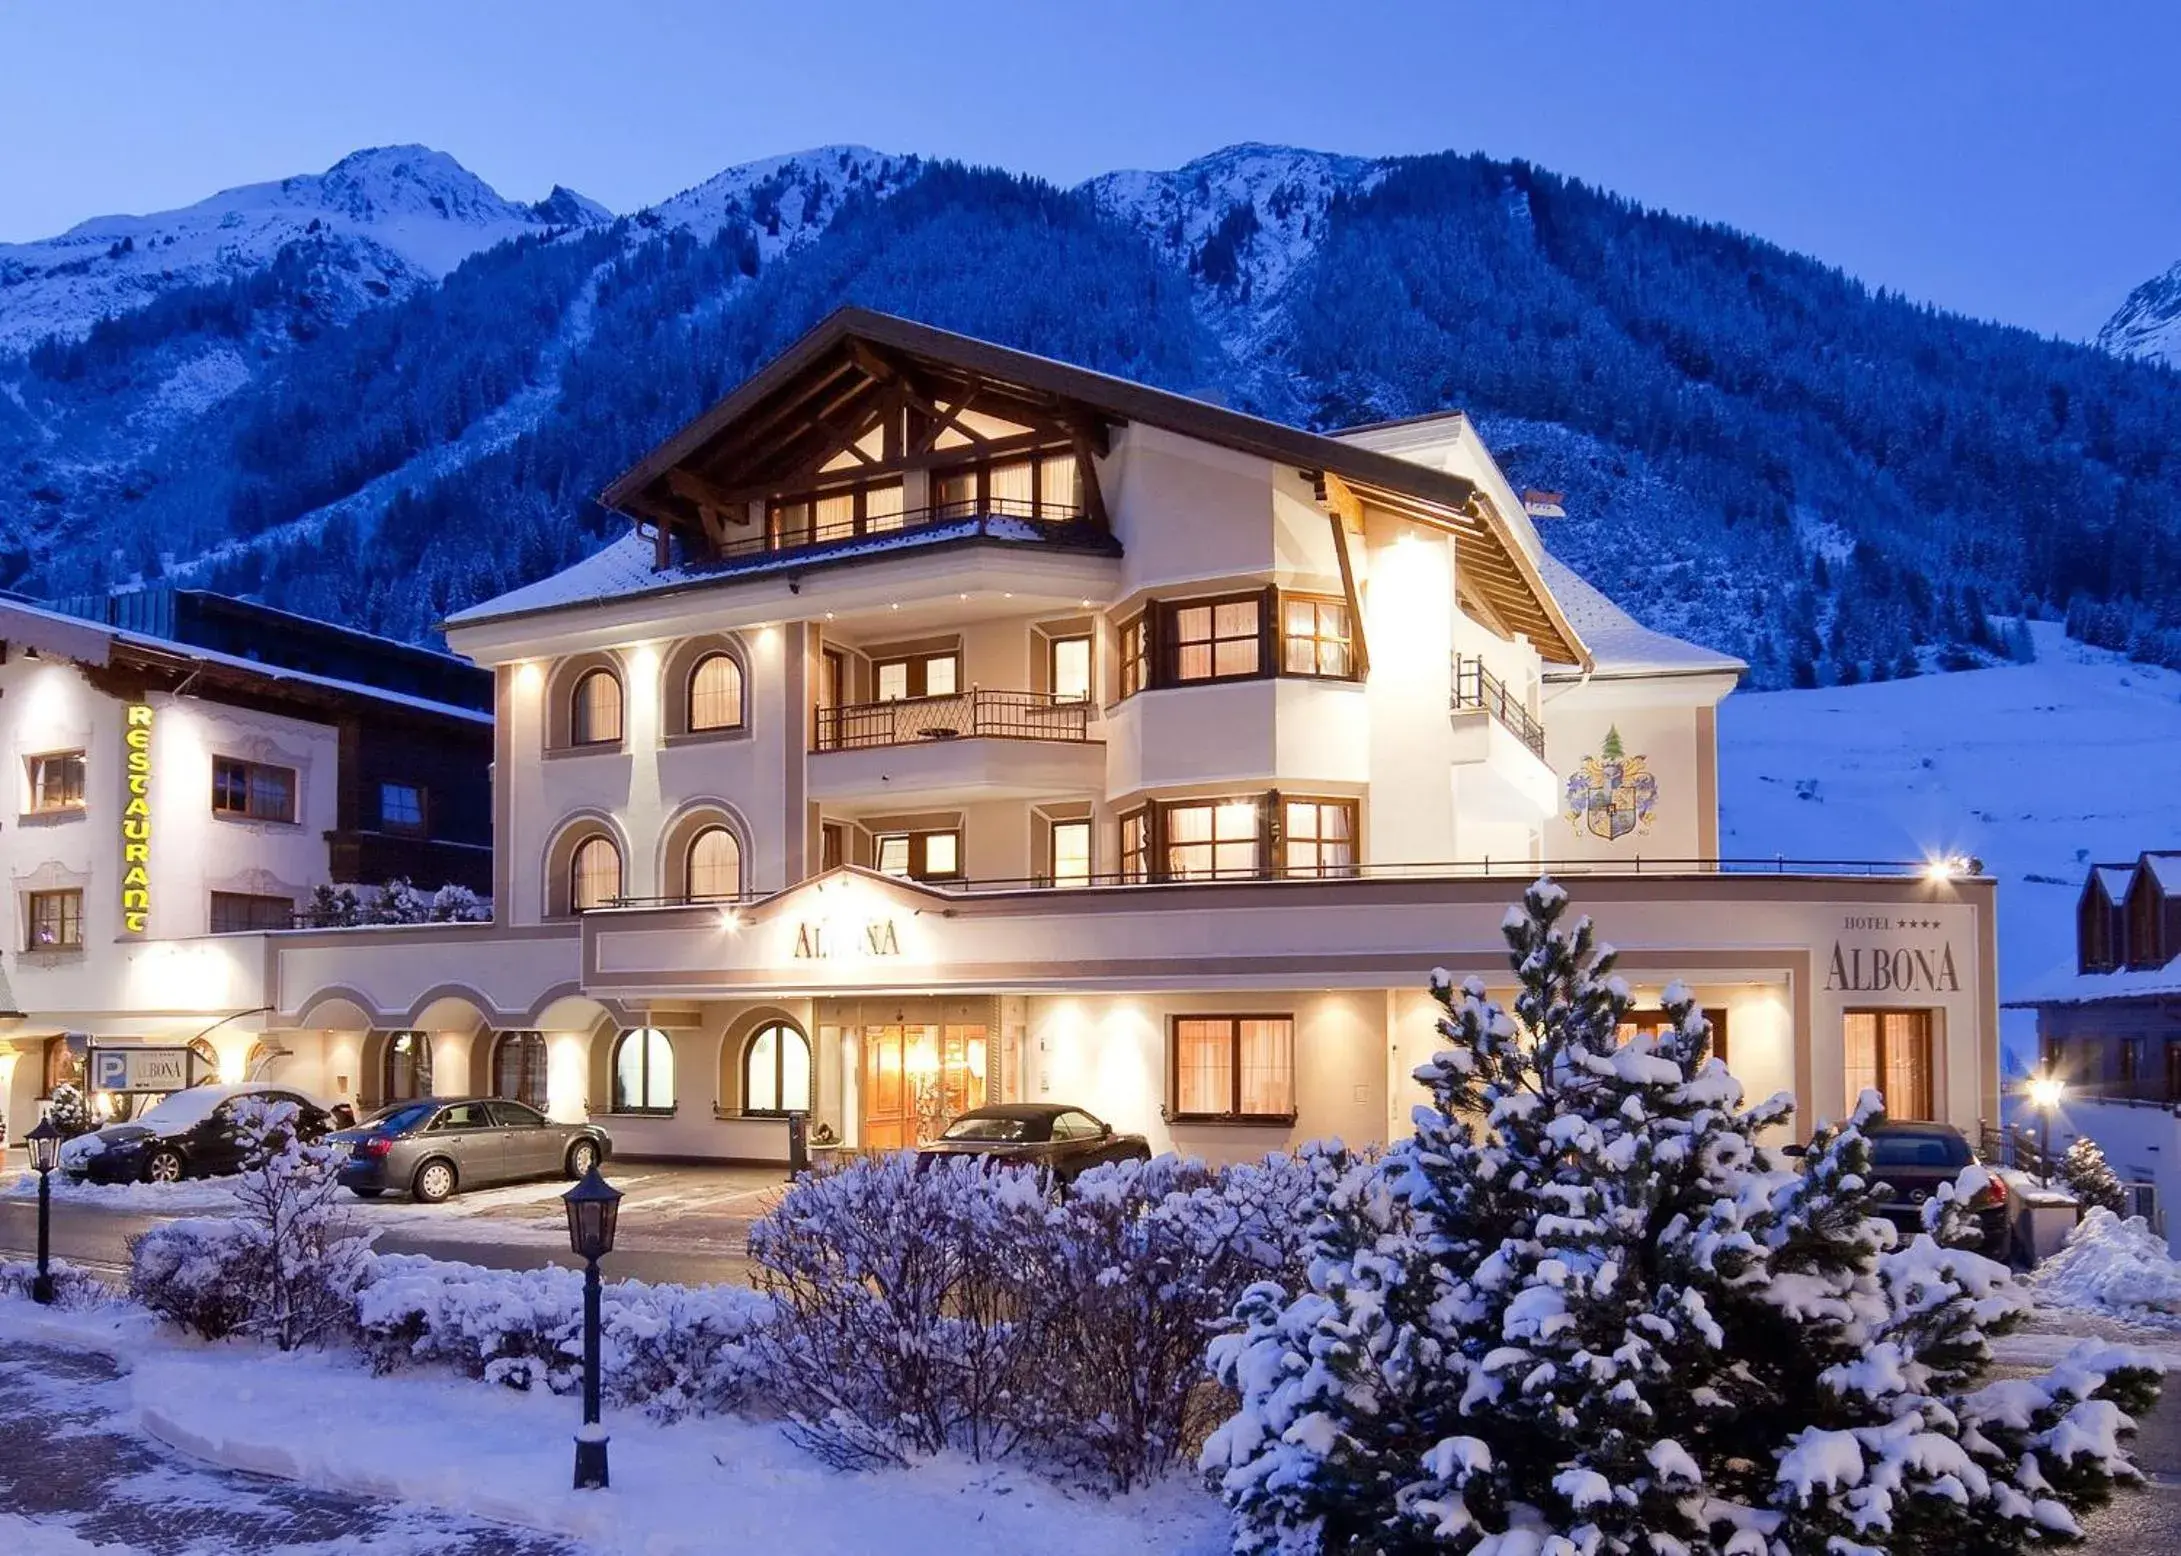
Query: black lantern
x=594 y=1211
x=45 y=1154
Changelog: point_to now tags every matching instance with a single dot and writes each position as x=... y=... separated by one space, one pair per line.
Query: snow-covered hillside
x=406 y=214
x=2036 y=769
x=789 y=199
x=2147 y=325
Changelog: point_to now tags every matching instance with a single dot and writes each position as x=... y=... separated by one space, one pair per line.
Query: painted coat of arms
x=1611 y=794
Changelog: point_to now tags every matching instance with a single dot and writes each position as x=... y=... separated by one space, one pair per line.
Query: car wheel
x=582 y=1157
x=434 y=1182
x=163 y=1166
x=367 y=1193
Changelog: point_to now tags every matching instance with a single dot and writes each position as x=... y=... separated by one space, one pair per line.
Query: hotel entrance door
x=916 y=1077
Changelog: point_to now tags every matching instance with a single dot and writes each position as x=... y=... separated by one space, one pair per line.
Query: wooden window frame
x=919 y=848
x=741 y=715
x=1879 y=1066
x=249 y=810
x=689 y=863
x=1235 y=1115
x=576 y=905
x=1090 y=668
x=647 y=1108
x=1317 y=639
x=779 y=1069
x=916 y=675
x=1261 y=803
x=260 y=906
x=1277 y=804
x=1053 y=827
x=1652 y=1019
x=1171 y=643
x=33 y=769
x=68 y=900
x=1136 y=861
x=579 y=737
x=422 y=826
x=1133 y=655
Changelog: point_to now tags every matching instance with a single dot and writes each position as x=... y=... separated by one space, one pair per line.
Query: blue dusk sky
x=2012 y=160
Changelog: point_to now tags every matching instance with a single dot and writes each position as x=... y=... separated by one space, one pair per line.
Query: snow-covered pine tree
x=2090 y=1177
x=1582 y=1311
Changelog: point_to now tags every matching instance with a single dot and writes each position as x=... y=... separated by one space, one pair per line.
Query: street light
x=594 y=1209
x=45 y=1154
x=2046 y=1090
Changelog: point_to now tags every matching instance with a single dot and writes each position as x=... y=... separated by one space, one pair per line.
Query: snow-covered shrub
x=285 y=1267
x=1131 y=1275
x=900 y=1328
x=668 y=1350
x=457 y=905
x=70 y=1110
x=1582 y=1309
x=198 y=1273
x=334 y=907
x=2090 y=1177
x=73 y=1286
x=2111 y=1266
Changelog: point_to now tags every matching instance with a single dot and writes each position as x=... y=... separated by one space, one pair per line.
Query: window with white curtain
x=594 y=874
x=595 y=715
x=715 y=866
x=715 y=693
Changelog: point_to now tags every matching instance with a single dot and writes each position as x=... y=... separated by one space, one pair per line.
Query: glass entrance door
x=916 y=1078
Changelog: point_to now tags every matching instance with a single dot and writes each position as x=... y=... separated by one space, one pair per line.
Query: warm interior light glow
x=1237 y=815
x=2046 y=1092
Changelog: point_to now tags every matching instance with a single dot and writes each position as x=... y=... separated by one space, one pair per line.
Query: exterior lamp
x=594 y=1212
x=45 y=1154
x=2046 y=1092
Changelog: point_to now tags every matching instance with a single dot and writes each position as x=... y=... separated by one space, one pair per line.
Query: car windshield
x=181 y=1109
x=401 y=1117
x=975 y=1126
x=1919 y=1151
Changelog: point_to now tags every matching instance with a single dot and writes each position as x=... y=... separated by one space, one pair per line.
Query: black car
x=1063 y=1140
x=187 y=1134
x=437 y=1145
x=1911 y=1160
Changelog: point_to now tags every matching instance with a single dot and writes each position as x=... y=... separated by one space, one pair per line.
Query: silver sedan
x=437 y=1146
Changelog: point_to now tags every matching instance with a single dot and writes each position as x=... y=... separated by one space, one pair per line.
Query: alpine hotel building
x=956 y=725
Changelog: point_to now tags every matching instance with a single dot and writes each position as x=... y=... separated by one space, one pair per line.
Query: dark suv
x=1911 y=1160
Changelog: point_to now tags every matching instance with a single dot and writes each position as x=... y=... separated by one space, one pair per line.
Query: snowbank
x=190 y=1196
x=2113 y=1267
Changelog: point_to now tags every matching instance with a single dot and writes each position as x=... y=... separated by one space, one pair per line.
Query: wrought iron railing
x=1003 y=517
x=976 y=713
x=1476 y=688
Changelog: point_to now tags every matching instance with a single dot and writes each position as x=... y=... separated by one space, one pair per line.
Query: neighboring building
x=957 y=725
x=196 y=767
x=2111 y=1030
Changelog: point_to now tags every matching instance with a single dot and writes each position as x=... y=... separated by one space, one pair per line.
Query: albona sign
x=136 y=820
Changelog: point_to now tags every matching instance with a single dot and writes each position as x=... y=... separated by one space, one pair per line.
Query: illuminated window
x=1211 y=838
x=1069 y=667
x=643 y=1072
x=1214 y=640
x=1134 y=663
x=1890 y=1050
x=1319 y=837
x=1234 y=1067
x=1135 y=845
x=1653 y=1023
x=1071 y=853
x=1013 y=488
x=1315 y=637
x=715 y=866
x=519 y=1068
x=922 y=675
x=921 y=856
x=254 y=790
x=56 y=782
x=401 y=808
x=55 y=921
x=1059 y=481
x=595 y=714
x=715 y=693
x=408 y=1066
x=594 y=874
x=776 y=1071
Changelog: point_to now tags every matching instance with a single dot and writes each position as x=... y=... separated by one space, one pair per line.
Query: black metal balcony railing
x=1478 y=688
x=997 y=517
x=976 y=713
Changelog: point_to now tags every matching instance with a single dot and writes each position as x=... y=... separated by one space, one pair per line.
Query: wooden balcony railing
x=1478 y=688
x=976 y=713
x=996 y=517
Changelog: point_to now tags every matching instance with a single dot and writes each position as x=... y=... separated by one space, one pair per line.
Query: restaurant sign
x=136 y=822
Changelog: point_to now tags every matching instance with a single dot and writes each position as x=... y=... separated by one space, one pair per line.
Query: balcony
x=974 y=714
x=1000 y=519
x=1477 y=689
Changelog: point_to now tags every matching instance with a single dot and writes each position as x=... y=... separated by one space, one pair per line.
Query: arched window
x=408 y=1066
x=715 y=866
x=776 y=1071
x=518 y=1068
x=594 y=874
x=595 y=716
x=715 y=693
x=643 y=1072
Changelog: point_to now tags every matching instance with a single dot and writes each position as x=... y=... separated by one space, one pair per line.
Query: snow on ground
x=2113 y=1268
x=2036 y=769
x=494 y=1453
x=192 y=1196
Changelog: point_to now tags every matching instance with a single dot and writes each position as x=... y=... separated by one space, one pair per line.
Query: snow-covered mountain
x=2147 y=326
x=398 y=216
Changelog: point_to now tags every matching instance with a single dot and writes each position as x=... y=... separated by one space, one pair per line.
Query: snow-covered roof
x=2114 y=878
x=1619 y=644
x=2065 y=986
x=2165 y=868
x=624 y=567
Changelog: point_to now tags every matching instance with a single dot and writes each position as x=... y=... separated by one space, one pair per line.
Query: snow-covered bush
x=457 y=905
x=2090 y=1177
x=70 y=1110
x=900 y=1329
x=199 y=1273
x=2116 y=1267
x=286 y=1267
x=1582 y=1309
x=669 y=1350
x=73 y=1286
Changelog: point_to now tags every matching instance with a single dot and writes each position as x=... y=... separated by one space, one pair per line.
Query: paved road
x=92 y=1481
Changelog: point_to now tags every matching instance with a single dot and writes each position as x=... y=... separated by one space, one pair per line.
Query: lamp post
x=45 y=1154
x=2046 y=1090
x=594 y=1207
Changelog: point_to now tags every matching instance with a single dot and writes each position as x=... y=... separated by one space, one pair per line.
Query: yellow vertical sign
x=136 y=821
